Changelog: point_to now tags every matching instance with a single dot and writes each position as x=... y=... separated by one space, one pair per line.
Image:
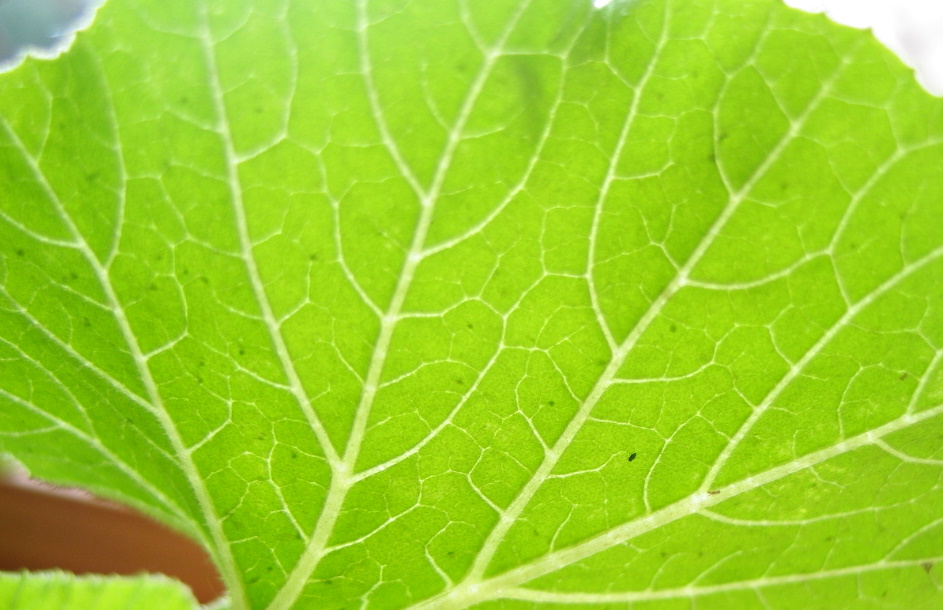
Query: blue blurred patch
x=37 y=24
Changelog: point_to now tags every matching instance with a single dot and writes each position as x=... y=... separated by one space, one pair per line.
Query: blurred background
x=37 y=25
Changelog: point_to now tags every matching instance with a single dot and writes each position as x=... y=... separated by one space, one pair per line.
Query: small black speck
x=714 y=492
x=550 y=403
x=927 y=566
x=242 y=352
x=632 y=457
x=329 y=582
x=903 y=377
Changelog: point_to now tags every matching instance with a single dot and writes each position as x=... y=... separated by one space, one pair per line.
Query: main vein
x=514 y=511
x=221 y=549
x=343 y=478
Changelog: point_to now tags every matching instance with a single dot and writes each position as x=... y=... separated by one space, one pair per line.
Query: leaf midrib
x=220 y=547
x=343 y=471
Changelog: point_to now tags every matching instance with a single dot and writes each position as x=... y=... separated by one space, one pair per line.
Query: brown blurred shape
x=43 y=528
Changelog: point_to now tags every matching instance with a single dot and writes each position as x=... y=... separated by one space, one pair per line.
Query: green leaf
x=56 y=590
x=511 y=303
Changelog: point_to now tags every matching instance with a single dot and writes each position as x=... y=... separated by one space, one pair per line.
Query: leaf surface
x=506 y=303
x=56 y=590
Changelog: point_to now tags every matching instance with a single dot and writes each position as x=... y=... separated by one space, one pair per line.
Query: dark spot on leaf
x=86 y=322
x=91 y=176
x=312 y=257
x=184 y=100
x=204 y=279
x=470 y=326
x=783 y=185
x=199 y=380
x=927 y=566
x=329 y=581
x=714 y=492
x=19 y=252
x=450 y=554
x=459 y=381
x=242 y=352
x=903 y=377
x=632 y=457
x=202 y=362
x=259 y=109
x=152 y=287
x=294 y=455
x=664 y=553
x=673 y=328
x=550 y=403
